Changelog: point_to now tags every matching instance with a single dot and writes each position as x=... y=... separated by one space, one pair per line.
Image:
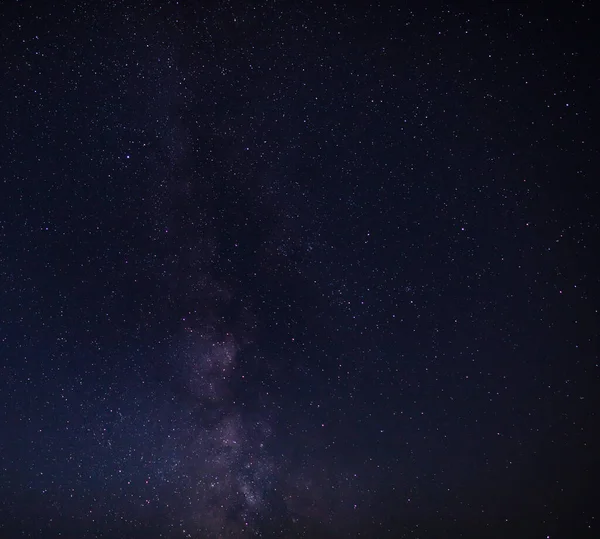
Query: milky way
x=226 y=463
x=298 y=270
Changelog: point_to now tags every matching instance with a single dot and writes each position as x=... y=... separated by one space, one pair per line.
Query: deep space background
x=298 y=269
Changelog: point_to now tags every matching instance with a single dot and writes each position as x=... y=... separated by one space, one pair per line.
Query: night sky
x=298 y=270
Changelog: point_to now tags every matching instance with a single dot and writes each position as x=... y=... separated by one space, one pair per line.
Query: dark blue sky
x=297 y=270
